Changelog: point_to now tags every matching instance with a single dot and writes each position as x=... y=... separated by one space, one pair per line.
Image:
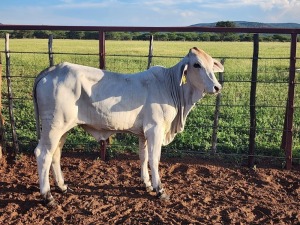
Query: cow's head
x=199 y=69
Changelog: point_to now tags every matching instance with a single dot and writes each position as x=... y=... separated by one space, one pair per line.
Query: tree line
x=160 y=36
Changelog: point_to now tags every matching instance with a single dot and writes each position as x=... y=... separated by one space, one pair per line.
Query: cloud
x=264 y=10
x=280 y=10
x=168 y=2
x=187 y=13
x=265 y=4
x=66 y=1
x=71 y=4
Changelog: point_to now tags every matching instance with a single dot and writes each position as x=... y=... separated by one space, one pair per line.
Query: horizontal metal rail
x=151 y=29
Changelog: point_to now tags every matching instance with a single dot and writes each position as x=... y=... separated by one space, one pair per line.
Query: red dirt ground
x=202 y=192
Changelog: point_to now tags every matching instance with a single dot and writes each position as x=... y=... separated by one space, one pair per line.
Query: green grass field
x=130 y=57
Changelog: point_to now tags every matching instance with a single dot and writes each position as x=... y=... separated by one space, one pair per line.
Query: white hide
x=152 y=104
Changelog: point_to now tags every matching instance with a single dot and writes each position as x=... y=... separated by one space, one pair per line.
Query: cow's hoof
x=149 y=189
x=69 y=190
x=49 y=200
x=63 y=189
x=163 y=196
x=51 y=204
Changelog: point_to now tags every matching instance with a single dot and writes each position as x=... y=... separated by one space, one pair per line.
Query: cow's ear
x=184 y=68
x=218 y=67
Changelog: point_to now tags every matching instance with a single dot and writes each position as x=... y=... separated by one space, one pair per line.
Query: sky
x=146 y=12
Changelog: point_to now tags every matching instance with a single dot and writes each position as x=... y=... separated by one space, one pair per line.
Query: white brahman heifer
x=153 y=105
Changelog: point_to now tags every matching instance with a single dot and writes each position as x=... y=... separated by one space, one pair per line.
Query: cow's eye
x=197 y=65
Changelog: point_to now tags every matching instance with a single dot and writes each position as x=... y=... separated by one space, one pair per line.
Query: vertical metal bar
x=101 y=49
x=103 y=143
x=287 y=136
x=1 y=118
x=150 y=55
x=283 y=138
x=252 y=132
x=216 y=115
x=50 y=50
x=10 y=97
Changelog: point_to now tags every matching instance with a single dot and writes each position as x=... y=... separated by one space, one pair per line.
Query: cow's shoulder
x=156 y=70
x=155 y=73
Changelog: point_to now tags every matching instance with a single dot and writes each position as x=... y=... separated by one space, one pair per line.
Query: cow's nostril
x=217 y=89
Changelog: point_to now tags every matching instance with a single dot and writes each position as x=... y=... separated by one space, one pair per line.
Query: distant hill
x=253 y=24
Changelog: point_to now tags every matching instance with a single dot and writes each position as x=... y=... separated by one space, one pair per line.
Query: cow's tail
x=35 y=103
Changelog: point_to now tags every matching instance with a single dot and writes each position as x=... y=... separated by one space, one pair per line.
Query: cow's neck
x=185 y=95
x=189 y=94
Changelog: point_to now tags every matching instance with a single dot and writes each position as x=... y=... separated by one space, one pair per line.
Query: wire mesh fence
x=233 y=124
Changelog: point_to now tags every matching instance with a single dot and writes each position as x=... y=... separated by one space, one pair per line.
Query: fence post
x=101 y=49
x=150 y=55
x=287 y=135
x=252 y=132
x=1 y=117
x=10 y=97
x=216 y=115
x=103 y=143
x=50 y=50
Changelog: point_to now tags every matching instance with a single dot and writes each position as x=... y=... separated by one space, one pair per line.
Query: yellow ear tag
x=183 y=79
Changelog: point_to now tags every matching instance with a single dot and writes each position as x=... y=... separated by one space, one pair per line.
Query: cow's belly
x=104 y=125
x=123 y=121
x=108 y=118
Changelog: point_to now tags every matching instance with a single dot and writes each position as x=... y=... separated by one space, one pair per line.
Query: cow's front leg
x=143 y=153
x=158 y=187
x=155 y=139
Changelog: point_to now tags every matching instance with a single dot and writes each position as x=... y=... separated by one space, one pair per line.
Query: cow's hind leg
x=143 y=153
x=56 y=167
x=44 y=155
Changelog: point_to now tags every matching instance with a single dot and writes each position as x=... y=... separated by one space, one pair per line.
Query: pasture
x=29 y=57
x=204 y=190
